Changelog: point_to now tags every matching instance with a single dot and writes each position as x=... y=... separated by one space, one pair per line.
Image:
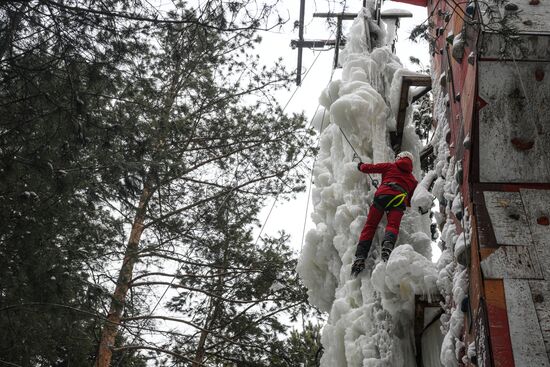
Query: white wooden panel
x=525 y=334
x=540 y=290
x=537 y=204
x=516 y=109
x=508 y=217
x=536 y=47
x=530 y=22
x=518 y=262
x=528 y=18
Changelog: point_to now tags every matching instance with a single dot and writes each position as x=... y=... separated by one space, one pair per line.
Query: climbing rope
x=373 y=181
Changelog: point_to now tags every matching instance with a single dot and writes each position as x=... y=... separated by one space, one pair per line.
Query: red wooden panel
x=476 y=281
x=486 y=235
x=483 y=347
x=486 y=252
x=501 y=345
x=467 y=105
x=476 y=328
x=511 y=187
x=414 y=2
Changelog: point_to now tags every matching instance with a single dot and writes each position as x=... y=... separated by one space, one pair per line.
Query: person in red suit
x=392 y=197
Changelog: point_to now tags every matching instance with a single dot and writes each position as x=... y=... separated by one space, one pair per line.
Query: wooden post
x=301 y=39
x=406 y=83
x=300 y=43
x=338 y=38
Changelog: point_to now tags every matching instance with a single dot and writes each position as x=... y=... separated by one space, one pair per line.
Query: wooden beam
x=421 y=94
x=418 y=80
x=497 y=317
x=367 y=34
x=338 y=41
x=508 y=217
x=395 y=14
x=315 y=43
x=344 y=16
x=420 y=304
x=535 y=203
x=351 y=16
x=483 y=345
x=377 y=11
x=406 y=83
x=511 y=262
x=301 y=38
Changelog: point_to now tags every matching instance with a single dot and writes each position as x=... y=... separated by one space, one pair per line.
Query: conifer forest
x=138 y=144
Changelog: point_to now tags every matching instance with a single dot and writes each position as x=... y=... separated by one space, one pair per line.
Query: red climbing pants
x=373 y=218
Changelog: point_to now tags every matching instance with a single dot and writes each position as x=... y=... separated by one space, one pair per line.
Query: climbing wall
x=513 y=183
x=515 y=262
x=514 y=129
x=492 y=61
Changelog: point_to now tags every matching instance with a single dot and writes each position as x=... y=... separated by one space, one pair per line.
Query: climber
x=392 y=197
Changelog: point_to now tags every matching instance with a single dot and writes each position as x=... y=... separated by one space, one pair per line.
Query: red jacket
x=399 y=172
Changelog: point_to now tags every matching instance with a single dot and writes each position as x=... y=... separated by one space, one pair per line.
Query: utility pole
x=340 y=40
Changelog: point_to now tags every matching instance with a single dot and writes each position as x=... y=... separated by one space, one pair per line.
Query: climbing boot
x=361 y=255
x=386 y=251
x=363 y=248
x=388 y=245
x=358 y=266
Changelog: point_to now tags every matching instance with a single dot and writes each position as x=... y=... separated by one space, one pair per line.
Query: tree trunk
x=217 y=305
x=13 y=21
x=110 y=328
x=197 y=362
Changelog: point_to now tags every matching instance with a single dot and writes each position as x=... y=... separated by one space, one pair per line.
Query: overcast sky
x=318 y=66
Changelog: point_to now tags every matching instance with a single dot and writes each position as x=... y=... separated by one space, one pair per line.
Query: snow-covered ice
x=370 y=318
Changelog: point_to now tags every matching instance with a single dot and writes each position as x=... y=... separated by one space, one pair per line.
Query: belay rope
x=373 y=181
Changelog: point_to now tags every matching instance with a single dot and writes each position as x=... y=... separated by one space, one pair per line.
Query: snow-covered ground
x=371 y=317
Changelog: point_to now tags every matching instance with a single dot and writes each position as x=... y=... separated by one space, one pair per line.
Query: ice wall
x=370 y=317
x=452 y=279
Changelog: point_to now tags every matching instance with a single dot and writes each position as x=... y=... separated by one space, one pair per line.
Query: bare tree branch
x=141 y=18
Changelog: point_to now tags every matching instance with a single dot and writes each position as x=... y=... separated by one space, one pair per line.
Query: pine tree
x=203 y=144
x=117 y=119
x=235 y=300
x=301 y=348
x=55 y=228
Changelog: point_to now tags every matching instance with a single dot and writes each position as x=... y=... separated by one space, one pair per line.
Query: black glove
x=359 y=165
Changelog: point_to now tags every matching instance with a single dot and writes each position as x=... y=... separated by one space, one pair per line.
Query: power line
x=138 y=332
x=311 y=122
x=311 y=177
x=277 y=196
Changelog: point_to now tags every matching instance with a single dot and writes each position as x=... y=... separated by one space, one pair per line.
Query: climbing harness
x=397 y=199
x=373 y=181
